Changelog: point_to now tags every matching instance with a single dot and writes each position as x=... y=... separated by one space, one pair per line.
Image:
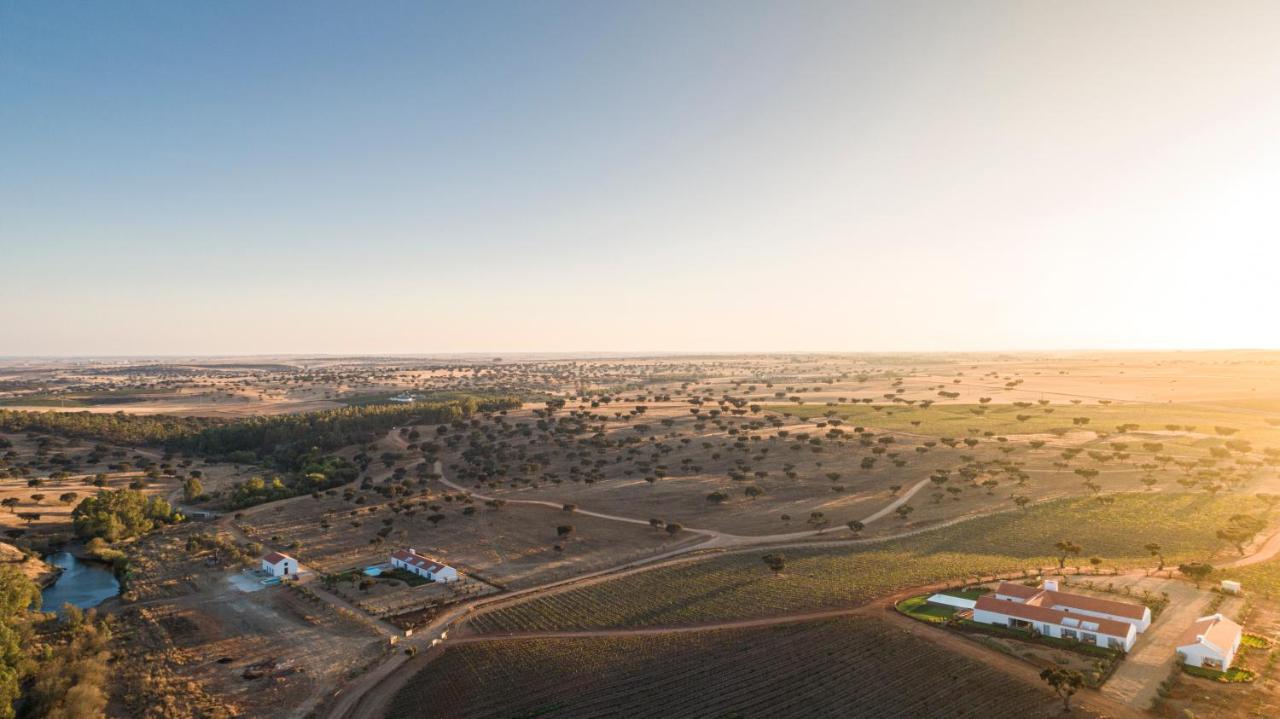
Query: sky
x=427 y=177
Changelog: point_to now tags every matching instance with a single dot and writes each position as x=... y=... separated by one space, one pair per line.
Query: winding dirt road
x=718 y=539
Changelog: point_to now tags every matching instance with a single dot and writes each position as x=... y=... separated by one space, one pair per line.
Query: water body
x=84 y=584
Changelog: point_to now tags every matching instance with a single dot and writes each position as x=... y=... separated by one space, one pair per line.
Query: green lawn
x=919 y=608
x=405 y=576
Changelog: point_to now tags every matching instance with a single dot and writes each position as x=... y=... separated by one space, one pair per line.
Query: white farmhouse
x=425 y=567
x=279 y=565
x=1212 y=643
x=1103 y=622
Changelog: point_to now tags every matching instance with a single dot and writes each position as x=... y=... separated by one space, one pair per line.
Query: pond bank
x=36 y=570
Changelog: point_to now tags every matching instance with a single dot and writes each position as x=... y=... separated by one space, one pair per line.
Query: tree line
x=285 y=441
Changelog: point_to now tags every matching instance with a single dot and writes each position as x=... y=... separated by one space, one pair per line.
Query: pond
x=84 y=584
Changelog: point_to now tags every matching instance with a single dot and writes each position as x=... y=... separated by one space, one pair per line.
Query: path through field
x=718 y=539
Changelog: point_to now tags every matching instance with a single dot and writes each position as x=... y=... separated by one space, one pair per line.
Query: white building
x=1212 y=643
x=425 y=567
x=1091 y=620
x=279 y=565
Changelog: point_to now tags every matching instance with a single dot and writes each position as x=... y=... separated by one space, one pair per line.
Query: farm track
x=718 y=539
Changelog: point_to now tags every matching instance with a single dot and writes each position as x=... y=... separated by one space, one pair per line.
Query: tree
x=818 y=521
x=855 y=526
x=674 y=528
x=67 y=497
x=753 y=492
x=9 y=503
x=656 y=523
x=1197 y=571
x=192 y=489
x=37 y=498
x=776 y=562
x=564 y=530
x=120 y=514
x=904 y=511
x=17 y=593
x=1065 y=683
x=1156 y=551
x=1096 y=562
x=1066 y=547
x=716 y=497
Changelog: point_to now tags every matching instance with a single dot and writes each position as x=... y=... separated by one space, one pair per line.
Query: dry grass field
x=513 y=546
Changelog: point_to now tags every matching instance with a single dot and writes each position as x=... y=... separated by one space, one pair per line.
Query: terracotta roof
x=1051 y=598
x=417 y=560
x=1094 y=604
x=1046 y=615
x=276 y=558
x=1215 y=630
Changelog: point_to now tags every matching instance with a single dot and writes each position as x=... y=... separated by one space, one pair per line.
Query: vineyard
x=740 y=586
x=848 y=667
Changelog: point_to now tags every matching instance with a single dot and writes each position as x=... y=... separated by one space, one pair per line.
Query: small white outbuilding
x=279 y=565
x=1230 y=587
x=1212 y=643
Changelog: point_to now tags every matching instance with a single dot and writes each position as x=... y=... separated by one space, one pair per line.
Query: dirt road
x=1137 y=679
x=718 y=539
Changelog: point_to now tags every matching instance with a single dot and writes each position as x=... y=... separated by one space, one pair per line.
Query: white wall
x=447 y=574
x=1195 y=654
x=1053 y=630
x=278 y=570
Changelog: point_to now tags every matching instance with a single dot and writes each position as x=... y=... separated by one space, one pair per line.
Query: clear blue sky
x=236 y=177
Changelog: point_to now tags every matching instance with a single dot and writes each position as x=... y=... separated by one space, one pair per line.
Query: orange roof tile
x=1037 y=613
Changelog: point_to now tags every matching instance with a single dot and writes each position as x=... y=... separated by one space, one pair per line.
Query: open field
x=512 y=546
x=846 y=667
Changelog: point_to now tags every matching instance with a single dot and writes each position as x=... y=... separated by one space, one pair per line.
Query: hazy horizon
x=239 y=179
